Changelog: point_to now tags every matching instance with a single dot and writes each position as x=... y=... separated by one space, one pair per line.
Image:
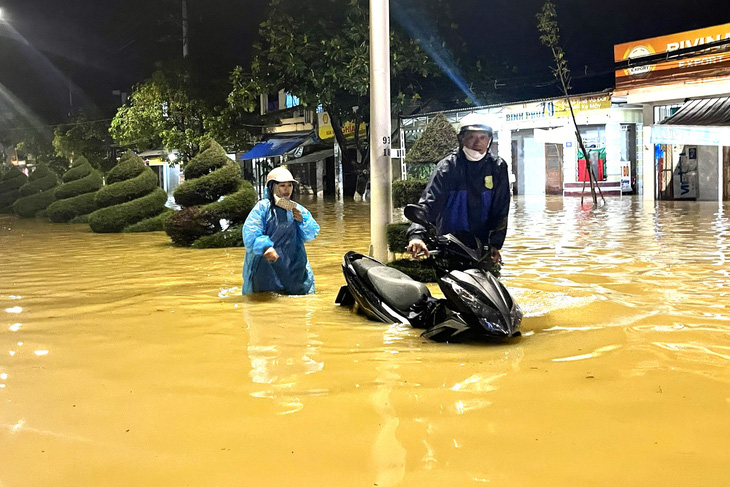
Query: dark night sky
x=103 y=45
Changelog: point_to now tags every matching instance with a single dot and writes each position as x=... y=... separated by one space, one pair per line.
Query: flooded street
x=125 y=361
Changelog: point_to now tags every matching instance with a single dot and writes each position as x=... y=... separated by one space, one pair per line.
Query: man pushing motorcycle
x=468 y=193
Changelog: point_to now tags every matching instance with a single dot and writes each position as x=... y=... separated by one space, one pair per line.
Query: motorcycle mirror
x=417 y=214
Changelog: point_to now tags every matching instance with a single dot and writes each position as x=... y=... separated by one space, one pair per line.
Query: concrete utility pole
x=381 y=172
x=185 y=28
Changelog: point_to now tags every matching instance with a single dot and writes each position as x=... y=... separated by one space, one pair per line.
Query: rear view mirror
x=417 y=214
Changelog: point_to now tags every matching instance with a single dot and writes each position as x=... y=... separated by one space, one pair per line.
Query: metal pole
x=381 y=171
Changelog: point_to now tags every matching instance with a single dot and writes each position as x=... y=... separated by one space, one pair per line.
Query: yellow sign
x=554 y=108
x=156 y=161
x=326 y=132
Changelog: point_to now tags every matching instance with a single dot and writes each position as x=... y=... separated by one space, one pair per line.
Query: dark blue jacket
x=467 y=196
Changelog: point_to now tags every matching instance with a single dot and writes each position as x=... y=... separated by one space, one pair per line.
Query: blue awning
x=272 y=147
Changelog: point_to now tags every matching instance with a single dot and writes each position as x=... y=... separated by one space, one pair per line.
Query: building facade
x=682 y=83
x=538 y=141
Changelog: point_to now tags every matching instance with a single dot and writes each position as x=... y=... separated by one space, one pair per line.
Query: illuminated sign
x=710 y=62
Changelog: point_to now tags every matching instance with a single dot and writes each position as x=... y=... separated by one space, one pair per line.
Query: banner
x=554 y=108
x=708 y=63
x=326 y=132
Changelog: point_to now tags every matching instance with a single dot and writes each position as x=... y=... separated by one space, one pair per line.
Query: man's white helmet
x=476 y=122
x=280 y=175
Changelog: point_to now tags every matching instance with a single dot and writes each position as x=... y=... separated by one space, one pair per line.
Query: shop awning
x=314 y=156
x=276 y=146
x=702 y=111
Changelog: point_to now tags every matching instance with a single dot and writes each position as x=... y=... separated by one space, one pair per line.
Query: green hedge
x=234 y=207
x=154 y=224
x=76 y=195
x=207 y=189
x=130 y=196
x=30 y=206
x=213 y=191
x=116 y=218
x=37 y=194
x=129 y=166
x=395 y=234
x=231 y=237
x=40 y=180
x=122 y=191
x=437 y=141
x=188 y=225
x=10 y=188
x=212 y=156
x=407 y=191
x=63 y=211
x=90 y=183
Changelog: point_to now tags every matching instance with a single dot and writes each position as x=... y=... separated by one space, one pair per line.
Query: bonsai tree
x=37 y=194
x=131 y=195
x=213 y=191
x=75 y=198
x=10 y=185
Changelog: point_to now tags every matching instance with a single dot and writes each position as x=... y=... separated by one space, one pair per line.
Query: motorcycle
x=476 y=305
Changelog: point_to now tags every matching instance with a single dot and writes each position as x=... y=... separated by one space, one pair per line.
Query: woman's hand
x=297 y=213
x=271 y=255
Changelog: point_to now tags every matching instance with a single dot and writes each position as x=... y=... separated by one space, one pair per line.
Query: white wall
x=534 y=158
x=613 y=151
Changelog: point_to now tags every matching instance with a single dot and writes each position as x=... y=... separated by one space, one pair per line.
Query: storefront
x=537 y=140
x=686 y=104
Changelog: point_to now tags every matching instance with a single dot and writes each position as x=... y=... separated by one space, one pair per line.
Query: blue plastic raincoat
x=291 y=273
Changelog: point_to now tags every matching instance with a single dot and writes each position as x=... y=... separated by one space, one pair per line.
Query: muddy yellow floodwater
x=125 y=361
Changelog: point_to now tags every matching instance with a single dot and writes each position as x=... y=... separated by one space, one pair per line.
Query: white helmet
x=476 y=121
x=280 y=175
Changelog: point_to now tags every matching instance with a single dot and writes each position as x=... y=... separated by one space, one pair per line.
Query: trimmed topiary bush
x=231 y=237
x=188 y=225
x=38 y=193
x=213 y=191
x=437 y=141
x=154 y=224
x=76 y=196
x=407 y=191
x=129 y=196
x=10 y=185
x=395 y=234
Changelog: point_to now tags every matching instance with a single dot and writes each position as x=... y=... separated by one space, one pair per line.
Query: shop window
x=291 y=100
x=665 y=111
x=272 y=102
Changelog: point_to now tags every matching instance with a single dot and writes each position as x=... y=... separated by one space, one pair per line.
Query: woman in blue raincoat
x=274 y=235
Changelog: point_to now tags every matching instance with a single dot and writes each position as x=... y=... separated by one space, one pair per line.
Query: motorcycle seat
x=395 y=287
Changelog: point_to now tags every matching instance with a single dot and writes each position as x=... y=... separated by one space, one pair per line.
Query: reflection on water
x=126 y=361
